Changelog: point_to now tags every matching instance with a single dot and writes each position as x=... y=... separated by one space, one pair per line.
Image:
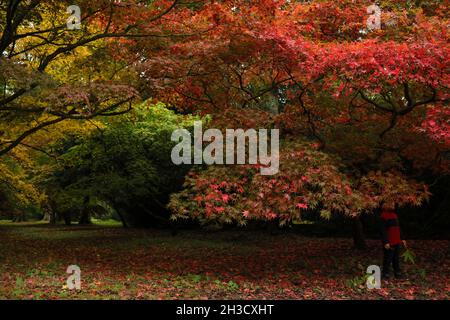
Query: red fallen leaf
x=285 y=284
x=430 y=292
x=301 y=206
x=383 y=291
x=225 y=198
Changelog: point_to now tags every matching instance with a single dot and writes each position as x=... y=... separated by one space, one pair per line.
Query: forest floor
x=119 y=263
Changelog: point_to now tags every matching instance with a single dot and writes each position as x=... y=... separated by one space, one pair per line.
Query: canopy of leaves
x=308 y=180
x=374 y=101
x=126 y=164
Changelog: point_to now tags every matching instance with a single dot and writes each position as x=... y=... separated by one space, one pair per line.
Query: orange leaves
x=255 y=45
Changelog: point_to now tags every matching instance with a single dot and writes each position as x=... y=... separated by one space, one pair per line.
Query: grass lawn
x=119 y=263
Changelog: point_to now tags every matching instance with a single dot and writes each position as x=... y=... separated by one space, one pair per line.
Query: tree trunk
x=122 y=218
x=19 y=216
x=85 y=215
x=359 y=239
x=52 y=217
x=46 y=216
x=273 y=227
x=49 y=213
x=67 y=218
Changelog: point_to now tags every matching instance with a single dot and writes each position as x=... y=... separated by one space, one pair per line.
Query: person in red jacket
x=390 y=231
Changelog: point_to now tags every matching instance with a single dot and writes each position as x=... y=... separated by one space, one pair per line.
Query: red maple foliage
x=312 y=70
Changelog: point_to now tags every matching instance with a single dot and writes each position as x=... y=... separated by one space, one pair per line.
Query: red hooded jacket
x=390 y=228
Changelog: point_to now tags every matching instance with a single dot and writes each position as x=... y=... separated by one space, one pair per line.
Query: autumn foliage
x=356 y=107
x=358 y=90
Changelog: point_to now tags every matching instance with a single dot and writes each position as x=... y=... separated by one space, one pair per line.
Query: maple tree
x=246 y=62
x=55 y=80
x=86 y=117
x=314 y=183
x=314 y=69
x=42 y=59
x=371 y=100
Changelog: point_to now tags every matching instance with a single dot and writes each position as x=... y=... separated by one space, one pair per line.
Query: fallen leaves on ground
x=121 y=263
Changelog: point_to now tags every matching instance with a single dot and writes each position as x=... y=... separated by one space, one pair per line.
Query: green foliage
x=18 y=196
x=233 y=286
x=358 y=282
x=127 y=164
x=409 y=256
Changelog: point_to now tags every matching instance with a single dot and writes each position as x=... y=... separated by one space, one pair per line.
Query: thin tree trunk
x=359 y=239
x=52 y=217
x=85 y=216
x=46 y=216
x=273 y=227
x=67 y=216
x=49 y=213
x=19 y=216
x=122 y=218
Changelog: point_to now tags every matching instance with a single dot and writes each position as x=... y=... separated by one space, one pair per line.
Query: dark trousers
x=391 y=256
